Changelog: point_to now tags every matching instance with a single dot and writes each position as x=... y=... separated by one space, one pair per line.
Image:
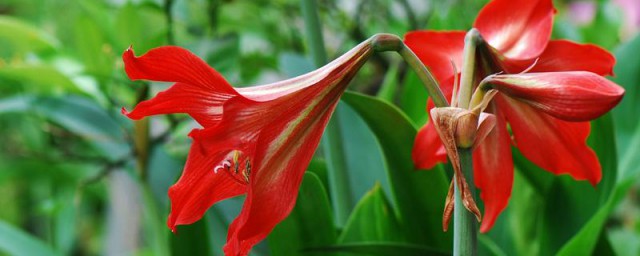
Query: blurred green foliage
x=68 y=172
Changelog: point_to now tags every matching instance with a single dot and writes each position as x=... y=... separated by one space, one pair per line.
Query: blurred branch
x=106 y=170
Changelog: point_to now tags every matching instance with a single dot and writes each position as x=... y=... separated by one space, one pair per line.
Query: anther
x=236 y=156
x=247 y=171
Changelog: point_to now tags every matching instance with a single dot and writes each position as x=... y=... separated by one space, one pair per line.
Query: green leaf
x=584 y=242
x=93 y=48
x=153 y=223
x=140 y=26
x=18 y=37
x=79 y=115
x=310 y=224
x=362 y=154
x=604 y=28
x=489 y=245
x=164 y=169
x=223 y=54
x=39 y=78
x=373 y=220
x=517 y=230
x=559 y=200
x=380 y=248
x=624 y=242
x=603 y=141
x=413 y=99
x=293 y=64
x=218 y=226
x=389 y=86
x=192 y=239
x=418 y=196
x=14 y=241
x=65 y=222
x=627 y=76
x=318 y=166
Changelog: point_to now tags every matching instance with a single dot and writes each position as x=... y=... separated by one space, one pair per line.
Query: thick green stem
x=315 y=40
x=471 y=41
x=465 y=226
x=332 y=139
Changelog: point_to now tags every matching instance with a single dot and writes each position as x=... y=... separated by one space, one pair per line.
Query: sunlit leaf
x=310 y=224
x=18 y=36
x=39 y=78
x=372 y=220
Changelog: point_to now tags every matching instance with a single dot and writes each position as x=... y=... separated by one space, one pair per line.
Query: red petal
x=428 y=149
x=174 y=64
x=205 y=106
x=486 y=123
x=519 y=29
x=200 y=187
x=283 y=153
x=554 y=145
x=571 y=96
x=493 y=170
x=436 y=50
x=563 y=55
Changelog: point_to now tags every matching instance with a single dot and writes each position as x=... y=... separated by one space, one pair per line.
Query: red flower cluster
x=547 y=108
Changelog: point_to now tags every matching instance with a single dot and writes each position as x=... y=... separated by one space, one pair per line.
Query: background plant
x=72 y=181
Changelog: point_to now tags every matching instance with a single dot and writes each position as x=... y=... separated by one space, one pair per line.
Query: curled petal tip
x=131 y=115
x=195 y=133
x=125 y=112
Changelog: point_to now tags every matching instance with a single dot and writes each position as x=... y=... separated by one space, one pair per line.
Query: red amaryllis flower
x=547 y=112
x=256 y=141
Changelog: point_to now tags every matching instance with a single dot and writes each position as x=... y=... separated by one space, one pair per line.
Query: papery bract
x=256 y=141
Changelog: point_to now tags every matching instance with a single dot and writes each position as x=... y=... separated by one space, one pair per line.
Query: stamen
x=240 y=174
x=236 y=156
x=247 y=171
